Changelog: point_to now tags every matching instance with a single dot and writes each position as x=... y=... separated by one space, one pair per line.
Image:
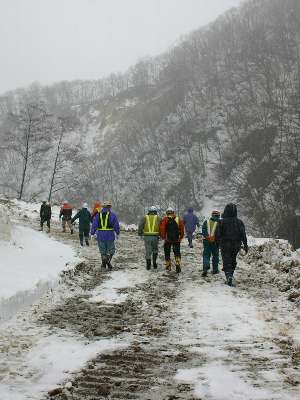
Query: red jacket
x=163 y=229
x=65 y=211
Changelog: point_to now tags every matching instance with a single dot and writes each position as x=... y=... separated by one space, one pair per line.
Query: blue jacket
x=190 y=221
x=112 y=222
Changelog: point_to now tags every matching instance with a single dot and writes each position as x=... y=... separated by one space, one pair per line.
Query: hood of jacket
x=230 y=211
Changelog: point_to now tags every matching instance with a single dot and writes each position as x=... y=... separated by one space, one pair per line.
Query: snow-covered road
x=133 y=334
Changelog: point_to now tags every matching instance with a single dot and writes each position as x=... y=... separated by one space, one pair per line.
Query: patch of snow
x=51 y=362
x=217 y=382
x=29 y=265
x=108 y=291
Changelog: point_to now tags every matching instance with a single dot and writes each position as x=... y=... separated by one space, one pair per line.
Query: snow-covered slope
x=30 y=263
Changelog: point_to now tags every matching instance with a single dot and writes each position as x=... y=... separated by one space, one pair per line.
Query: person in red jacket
x=66 y=216
x=172 y=232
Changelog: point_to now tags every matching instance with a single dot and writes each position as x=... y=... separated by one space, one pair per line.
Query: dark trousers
x=229 y=252
x=43 y=220
x=85 y=234
x=189 y=236
x=167 y=250
x=210 y=250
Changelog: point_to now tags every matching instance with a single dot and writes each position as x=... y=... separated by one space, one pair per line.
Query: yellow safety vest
x=151 y=225
x=104 y=224
x=211 y=229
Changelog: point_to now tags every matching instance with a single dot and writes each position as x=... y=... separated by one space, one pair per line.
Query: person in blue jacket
x=106 y=227
x=191 y=222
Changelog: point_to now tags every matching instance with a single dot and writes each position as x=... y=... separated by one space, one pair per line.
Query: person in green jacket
x=149 y=229
x=210 y=246
x=84 y=223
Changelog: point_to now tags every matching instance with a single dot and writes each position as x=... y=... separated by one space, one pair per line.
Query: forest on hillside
x=218 y=115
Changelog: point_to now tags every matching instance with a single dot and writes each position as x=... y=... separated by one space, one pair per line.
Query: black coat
x=230 y=228
x=45 y=211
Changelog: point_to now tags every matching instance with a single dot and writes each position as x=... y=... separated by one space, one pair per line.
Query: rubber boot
x=215 y=271
x=109 y=257
x=155 y=261
x=204 y=273
x=229 y=280
x=81 y=242
x=178 y=262
x=168 y=265
x=104 y=262
x=72 y=231
x=87 y=242
x=148 y=264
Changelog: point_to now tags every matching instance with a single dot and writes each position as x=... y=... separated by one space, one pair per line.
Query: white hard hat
x=170 y=210
x=153 y=209
x=84 y=205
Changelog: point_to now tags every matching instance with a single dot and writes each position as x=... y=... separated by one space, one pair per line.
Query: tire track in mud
x=143 y=317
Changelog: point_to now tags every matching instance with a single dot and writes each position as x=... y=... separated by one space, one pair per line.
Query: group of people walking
x=226 y=233
x=220 y=232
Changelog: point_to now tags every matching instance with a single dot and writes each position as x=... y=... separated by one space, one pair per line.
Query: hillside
x=216 y=118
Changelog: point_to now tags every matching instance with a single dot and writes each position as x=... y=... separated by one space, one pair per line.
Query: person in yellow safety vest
x=210 y=246
x=107 y=229
x=149 y=230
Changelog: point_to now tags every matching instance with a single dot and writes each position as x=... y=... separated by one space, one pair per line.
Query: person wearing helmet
x=84 y=223
x=45 y=215
x=66 y=215
x=149 y=229
x=106 y=227
x=96 y=208
x=230 y=235
x=210 y=246
x=172 y=232
x=191 y=222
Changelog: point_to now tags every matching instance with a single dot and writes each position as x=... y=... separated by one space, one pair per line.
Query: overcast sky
x=52 y=40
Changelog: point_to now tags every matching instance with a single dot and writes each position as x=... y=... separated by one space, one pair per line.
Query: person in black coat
x=45 y=215
x=230 y=235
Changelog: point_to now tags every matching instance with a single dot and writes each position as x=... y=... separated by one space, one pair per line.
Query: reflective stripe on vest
x=211 y=230
x=150 y=228
x=105 y=223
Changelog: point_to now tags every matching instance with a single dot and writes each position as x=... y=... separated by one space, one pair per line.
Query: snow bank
x=32 y=210
x=276 y=263
x=5 y=225
x=128 y=228
x=29 y=265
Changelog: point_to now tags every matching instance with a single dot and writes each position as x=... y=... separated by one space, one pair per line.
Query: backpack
x=172 y=230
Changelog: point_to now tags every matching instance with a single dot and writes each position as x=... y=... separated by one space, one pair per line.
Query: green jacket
x=84 y=219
